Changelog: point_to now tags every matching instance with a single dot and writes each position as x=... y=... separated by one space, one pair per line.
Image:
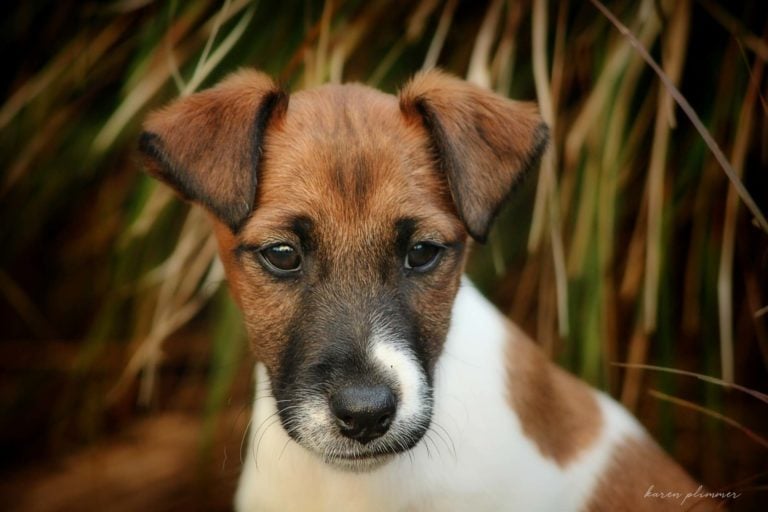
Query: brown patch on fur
x=637 y=478
x=483 y=142
x=557 y=411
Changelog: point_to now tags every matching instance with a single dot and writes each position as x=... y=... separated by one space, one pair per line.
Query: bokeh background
x=125 y=381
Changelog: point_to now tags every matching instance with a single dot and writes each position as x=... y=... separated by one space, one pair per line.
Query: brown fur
x=339 y=157
x=205 y=144
x=557 y=411
x=638 y=465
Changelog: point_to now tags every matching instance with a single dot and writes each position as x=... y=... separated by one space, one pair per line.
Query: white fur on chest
x=474 y=457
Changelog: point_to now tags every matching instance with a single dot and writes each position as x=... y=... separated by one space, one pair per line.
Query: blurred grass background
x=124 y=375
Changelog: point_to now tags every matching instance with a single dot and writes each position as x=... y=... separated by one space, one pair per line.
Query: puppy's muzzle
x=363 y=413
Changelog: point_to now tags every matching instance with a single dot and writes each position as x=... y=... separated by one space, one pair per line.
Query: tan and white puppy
x=386 y=381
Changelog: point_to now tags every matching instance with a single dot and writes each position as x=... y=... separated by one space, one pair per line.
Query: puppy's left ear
x=483 y=142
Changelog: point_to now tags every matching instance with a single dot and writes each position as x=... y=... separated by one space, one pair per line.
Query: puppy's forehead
x=347 y=152
x=334 y=113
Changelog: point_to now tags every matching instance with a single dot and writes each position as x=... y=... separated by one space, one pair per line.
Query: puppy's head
x=343 y=220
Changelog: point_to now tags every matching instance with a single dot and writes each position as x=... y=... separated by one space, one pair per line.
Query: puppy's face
x=342 y=220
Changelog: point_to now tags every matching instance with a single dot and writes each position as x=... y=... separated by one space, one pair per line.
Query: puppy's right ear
x=208 y=146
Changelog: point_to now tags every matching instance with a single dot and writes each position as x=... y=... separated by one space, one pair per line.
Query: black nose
x=364 y=413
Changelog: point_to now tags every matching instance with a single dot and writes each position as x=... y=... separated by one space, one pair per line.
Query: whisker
x=255 y=448
x=274 y=416
x=245 y=438
x=452 y=446
x=426 y=445
x=287 y=442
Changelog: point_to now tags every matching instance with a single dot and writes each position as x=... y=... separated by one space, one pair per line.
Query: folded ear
x=483 y=142
x=208 y=146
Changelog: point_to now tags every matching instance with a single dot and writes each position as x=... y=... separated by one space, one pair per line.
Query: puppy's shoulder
x=558 y=412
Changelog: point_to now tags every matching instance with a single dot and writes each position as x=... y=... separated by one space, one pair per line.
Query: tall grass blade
x=479 y=62
x=673 y=66
x=736 y=27
x=709 y=412
x=548 y=178
x=744 y=194
x=441 y=32
x=706 y=378
x=206 y=66
x=725 y=271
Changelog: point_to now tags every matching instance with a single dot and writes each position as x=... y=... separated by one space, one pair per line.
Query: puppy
x=386 y=382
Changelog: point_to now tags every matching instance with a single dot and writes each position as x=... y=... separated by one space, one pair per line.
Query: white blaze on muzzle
x=396 y=359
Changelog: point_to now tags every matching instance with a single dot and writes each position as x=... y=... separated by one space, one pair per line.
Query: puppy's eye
x=423 y=256
x=280 y=259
